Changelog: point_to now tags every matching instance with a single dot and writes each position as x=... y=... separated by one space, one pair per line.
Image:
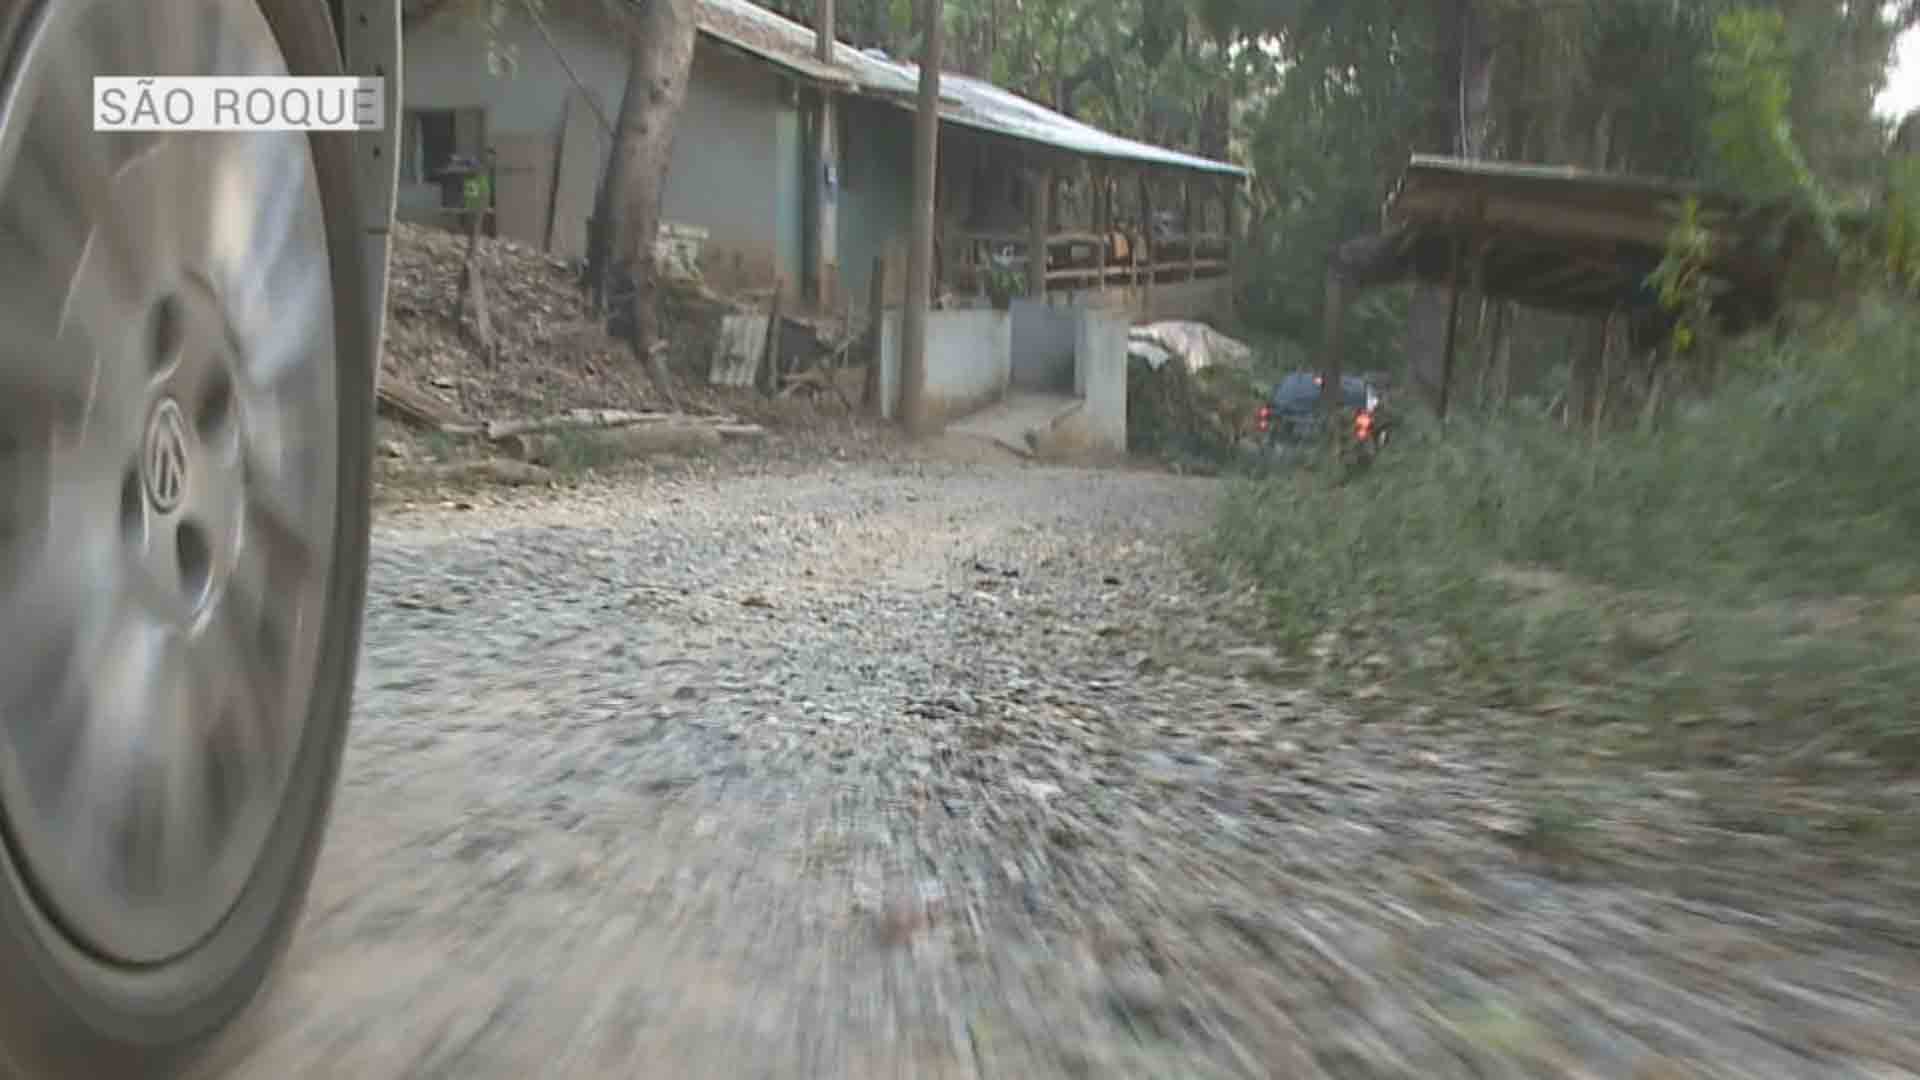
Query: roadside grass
x=1740 y=587
x=576 y=454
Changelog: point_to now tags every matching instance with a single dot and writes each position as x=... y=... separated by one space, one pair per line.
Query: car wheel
x=186 y=373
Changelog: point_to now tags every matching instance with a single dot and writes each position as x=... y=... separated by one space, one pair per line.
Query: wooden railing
x=1082 y=260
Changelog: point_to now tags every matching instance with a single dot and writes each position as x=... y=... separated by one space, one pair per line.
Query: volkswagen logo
x=164 y=460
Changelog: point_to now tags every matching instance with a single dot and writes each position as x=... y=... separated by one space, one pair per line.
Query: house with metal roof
x=751 y=196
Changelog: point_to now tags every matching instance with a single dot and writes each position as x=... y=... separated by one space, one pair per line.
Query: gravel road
x=935 y=770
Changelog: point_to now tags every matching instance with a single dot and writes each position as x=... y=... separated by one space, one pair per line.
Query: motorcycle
x=1286 y=434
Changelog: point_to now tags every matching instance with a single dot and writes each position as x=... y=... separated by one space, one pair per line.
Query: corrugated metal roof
x=987 y=107
x=963 y=100
x=782 y=41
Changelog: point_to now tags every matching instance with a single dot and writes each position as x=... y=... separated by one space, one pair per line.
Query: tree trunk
x=1583 y=395
x=1332 y=324
x=660 y=57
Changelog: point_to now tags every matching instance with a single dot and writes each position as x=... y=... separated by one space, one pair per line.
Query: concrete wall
x=969 y=361
x=876 y=195
x=1043 y=345
x=790 y=214
x=1100 y=379
x=970 y=366
x=737 y=160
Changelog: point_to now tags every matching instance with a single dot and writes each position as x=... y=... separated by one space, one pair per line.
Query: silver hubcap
x=168 y=429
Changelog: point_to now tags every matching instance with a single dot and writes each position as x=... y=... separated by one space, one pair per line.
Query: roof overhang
x=812 y=71
x=950 y=113
x=1570 y=239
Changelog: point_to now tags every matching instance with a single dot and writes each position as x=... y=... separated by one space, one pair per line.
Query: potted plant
x=1003 y=284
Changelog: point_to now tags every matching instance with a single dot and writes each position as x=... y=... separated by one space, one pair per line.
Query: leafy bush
x=1197 y=418
x=1674 y=568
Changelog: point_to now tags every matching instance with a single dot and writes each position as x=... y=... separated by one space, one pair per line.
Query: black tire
x=65 y=1012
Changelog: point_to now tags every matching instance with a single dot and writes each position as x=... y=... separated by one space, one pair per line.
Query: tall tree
x=660 y=41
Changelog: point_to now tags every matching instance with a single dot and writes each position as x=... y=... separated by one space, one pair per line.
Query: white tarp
x=1200 y=345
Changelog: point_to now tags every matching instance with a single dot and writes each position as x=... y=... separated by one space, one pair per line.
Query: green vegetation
x=1724 y=572
x=1195 y=420
x=1754 y=557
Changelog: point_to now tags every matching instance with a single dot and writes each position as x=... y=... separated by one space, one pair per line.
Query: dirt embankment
x=541 y=352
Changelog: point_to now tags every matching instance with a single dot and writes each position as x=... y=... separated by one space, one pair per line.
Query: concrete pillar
x=826 y=171
x=826 y=189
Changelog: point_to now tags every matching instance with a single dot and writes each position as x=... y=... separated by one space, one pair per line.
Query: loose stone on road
x=889 y=770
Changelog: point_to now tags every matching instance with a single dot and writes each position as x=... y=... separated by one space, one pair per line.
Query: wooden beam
x=1102 y=218
x=1453 y=325
x=1146 y=237
x=823 y=30
x=1039 y=209
x=1332 y=325
x=1193 y=246
x=926 y=162
x=1230 y=204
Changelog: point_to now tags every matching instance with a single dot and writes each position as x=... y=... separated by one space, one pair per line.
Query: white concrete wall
x=1100 y=379
x=969 y=361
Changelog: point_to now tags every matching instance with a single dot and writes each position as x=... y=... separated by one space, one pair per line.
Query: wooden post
x=466 y=264
x=770 y=354
x=1585 y=388
x=876 y=317
x=1332 y=318
x=1474 y=299
x=1039 y=206
x=823 y=30
x=1503 y=354
x=926 y=164
x=1492 y=376
x=1102 y=221
x=1193 y=240
x=1608 y=325
x=1146 y=243
x=473 y=291
x=1229 y=214
x=1453 y=325
x=1230 y=197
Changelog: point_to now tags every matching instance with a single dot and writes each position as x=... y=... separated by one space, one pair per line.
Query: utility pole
x=926 y=162
x=826 y=175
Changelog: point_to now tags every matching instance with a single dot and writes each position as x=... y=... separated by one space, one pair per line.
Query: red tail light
x=1262 y=418
x=1362 y=424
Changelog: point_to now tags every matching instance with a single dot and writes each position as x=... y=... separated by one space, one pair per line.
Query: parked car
x=1294 y=416
x=190 y=323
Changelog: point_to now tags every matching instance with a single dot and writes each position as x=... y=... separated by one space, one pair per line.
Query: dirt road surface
x=916 y=770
